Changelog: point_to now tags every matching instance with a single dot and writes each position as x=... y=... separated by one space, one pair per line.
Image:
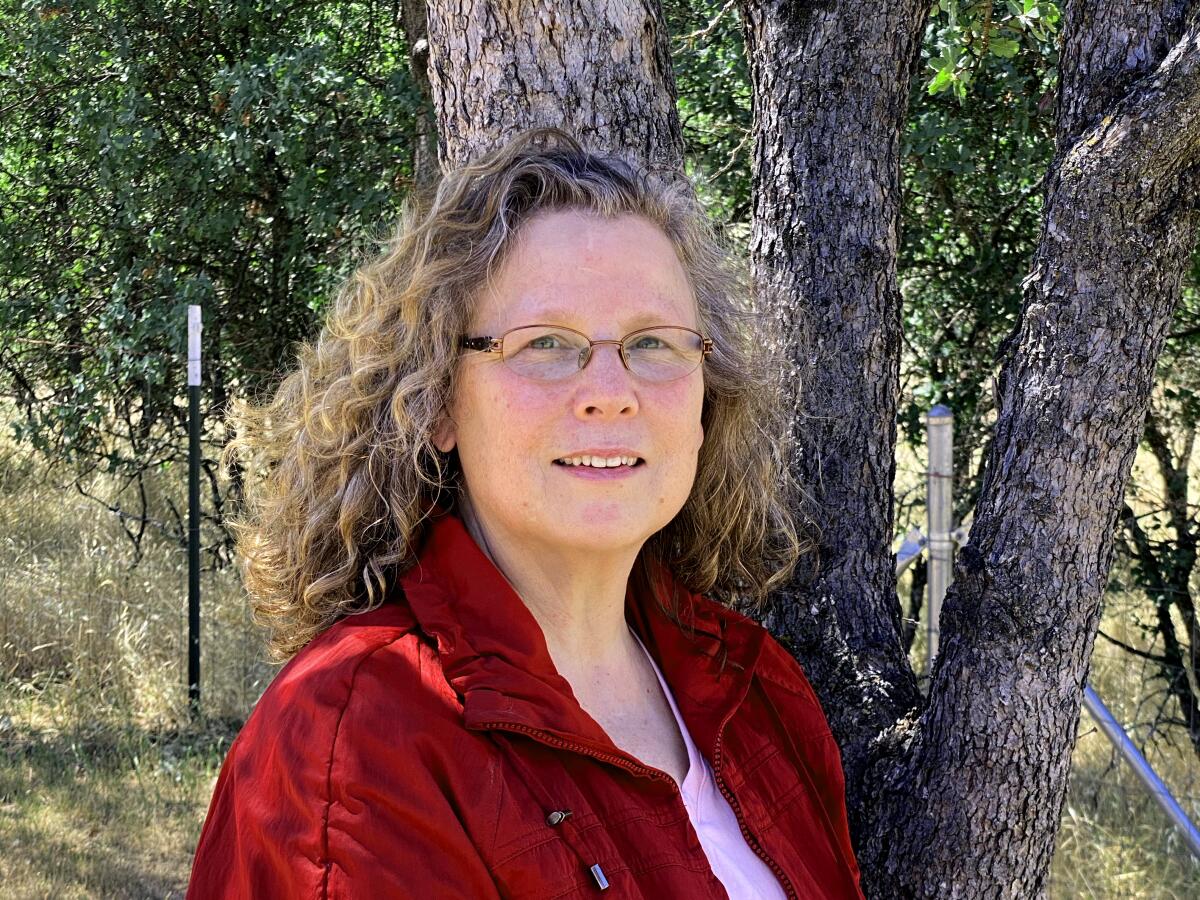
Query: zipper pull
x=557 y=816
x=598 y=874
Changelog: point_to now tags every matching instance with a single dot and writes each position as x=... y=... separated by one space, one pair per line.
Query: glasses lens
x=664 y=354
x=546 y=354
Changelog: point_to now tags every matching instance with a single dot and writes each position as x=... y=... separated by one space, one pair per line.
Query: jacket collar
x=494 y=654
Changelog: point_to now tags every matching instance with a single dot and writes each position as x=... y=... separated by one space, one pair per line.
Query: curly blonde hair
x=340 y=465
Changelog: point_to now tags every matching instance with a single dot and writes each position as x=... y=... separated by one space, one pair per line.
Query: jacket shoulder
x=378 y=663
x=778 y=666
x=367 y=693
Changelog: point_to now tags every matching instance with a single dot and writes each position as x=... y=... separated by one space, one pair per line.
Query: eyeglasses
x=554 y=352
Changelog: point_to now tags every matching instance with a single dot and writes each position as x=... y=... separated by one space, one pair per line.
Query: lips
x=601 y=458
x=597 y=473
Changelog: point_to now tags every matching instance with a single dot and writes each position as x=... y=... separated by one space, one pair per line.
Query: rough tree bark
x=600 y=69
x=962 y=795
x=1019 y=624
x=416 y=30
x=959 y=794
x=830 y=90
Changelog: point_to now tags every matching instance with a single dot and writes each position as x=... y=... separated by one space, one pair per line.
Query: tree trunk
x=830 y=90
x=960 y=795
x=414 y=21
x=599 y=69
x=981 y=774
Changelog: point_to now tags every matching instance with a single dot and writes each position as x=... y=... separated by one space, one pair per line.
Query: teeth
x=598 y=462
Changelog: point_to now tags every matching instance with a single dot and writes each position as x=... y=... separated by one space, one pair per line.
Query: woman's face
x=604 y=278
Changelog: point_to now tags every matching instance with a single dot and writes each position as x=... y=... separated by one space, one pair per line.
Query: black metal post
x=194 y=509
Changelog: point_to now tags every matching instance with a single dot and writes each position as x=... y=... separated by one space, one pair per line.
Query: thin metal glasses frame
x=489 y=344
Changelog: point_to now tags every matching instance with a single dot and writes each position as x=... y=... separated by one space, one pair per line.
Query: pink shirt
x=744 y=875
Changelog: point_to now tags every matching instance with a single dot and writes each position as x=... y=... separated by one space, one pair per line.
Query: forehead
x=576 y=268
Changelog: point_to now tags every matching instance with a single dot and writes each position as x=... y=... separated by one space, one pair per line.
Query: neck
x=577 y=598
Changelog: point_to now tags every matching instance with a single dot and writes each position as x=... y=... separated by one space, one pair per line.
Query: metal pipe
x=939 y=426
x=1116 y=734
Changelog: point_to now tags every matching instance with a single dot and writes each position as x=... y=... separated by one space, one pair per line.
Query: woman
x=531 y=437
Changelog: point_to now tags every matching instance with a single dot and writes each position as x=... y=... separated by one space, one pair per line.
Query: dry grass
x=1115 y=841
x=104 y=778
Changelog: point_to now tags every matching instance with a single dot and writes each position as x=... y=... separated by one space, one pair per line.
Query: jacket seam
x=765 y=751
x=771 y=751
x=327 y=861
x=501 y=788
x=779 y=805
x=785 y=681
x=814 y=729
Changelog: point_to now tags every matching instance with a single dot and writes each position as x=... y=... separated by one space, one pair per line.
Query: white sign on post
x=194 y=329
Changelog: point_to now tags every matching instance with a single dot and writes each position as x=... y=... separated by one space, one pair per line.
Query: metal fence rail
x=940 y=542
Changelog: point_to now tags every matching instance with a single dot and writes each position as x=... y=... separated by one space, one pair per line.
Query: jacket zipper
x=547 y=738
x=737 y=811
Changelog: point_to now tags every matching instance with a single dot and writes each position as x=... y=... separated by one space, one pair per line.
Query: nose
x=605 y=386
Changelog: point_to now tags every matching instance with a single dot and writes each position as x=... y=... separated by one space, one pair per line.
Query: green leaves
x=964 y=36
x=977 y=142
x=159 y=154
x=1005 y=48
x=713 y=81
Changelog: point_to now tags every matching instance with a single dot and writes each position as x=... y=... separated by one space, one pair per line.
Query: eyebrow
x=556 y=316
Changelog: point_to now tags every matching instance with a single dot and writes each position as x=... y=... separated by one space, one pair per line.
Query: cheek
x=681 y=433
x=500 y=422
x=690 y=406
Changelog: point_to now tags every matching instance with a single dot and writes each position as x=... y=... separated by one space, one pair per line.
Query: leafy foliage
x=973 y=167
x=962 y=35
x=235 y=154
x=229 y=154
x=713 y=82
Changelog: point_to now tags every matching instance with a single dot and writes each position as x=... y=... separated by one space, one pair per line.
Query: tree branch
x=1151 y=134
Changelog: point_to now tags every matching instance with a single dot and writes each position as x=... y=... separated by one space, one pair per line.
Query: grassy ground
x=104 y=778
x=101 y=810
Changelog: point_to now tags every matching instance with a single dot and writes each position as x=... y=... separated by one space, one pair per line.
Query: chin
x=606 y=521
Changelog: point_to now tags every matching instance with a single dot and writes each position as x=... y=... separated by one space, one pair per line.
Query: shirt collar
x=494 y=654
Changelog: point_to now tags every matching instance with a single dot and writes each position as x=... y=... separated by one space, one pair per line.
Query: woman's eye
x=648 y=343
x=544 y=343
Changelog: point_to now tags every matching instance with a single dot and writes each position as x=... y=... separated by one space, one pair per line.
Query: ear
x=445 y=435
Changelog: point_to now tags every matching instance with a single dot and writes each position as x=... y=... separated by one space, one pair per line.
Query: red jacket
x=417 y=751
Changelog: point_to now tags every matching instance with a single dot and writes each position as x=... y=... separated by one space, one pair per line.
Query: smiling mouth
x=601 y=466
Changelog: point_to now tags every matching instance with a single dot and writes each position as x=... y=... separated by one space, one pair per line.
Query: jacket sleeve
x=327 y=793
x=820 y=750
